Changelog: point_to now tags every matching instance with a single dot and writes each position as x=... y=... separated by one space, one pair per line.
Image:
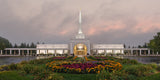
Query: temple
x=80 y=46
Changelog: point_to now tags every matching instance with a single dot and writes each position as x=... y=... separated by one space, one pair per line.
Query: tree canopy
x=4 y=43
x=155 y=43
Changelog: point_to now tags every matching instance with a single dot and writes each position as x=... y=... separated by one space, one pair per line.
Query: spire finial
x=80 y=22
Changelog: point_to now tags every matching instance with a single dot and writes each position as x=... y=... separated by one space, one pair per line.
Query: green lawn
x=67 y=76
x=14 y=75
x=151 y=77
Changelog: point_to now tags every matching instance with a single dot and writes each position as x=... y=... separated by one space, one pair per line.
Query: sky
x=130 y=22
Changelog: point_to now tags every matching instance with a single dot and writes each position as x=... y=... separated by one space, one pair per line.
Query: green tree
x=23 y=45
x=124 y=45
x=32 y=45
x=15 y=46
x=139 y=46
x=154 y=44
x=4 y=43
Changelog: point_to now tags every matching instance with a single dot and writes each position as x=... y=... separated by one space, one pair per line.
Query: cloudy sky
x=131 y=22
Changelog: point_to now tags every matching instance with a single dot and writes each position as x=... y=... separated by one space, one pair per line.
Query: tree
x=28 y=46
x=124 y=46
x=4 y=43
x=32 y=45
x=145 y=45
x=23 y=45
x=15 y=46
x=139 y=46
x=154 y=44
x=129 y=47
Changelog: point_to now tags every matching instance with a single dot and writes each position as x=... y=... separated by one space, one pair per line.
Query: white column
x=10 y=52
x=96 y=52
x=19 y=52
x=140 y=52
x=22 y=52
x=27 y=52
x=148 y=52
x=55 y=53
x=1 y=52
x=105 y=52
x=157 y=52
x=14 y=52
x=47 y=51
x=131 y=51
x=39 y=51
x=5 y=52
x=31 y=53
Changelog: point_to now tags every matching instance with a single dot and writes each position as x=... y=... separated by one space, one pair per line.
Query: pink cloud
x=101 y=27
x=145 y=26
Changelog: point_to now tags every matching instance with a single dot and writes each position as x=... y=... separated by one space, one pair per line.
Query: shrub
x=158 y=67
x=4 y=68
x=133 y=62
x=153 y=65
x=40 y=61
x=36 y=61
x=103 y=75
x=138 y=70
x=131 y=77
x=128 y=61
x=12 y=66
x=42 y=75
x=37 y=70
x=24 y=62
x=55 y=77
x=27 y=68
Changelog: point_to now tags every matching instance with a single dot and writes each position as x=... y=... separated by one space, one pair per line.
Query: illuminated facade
x=80 y=46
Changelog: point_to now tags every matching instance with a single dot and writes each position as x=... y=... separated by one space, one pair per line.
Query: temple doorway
x=80 y=50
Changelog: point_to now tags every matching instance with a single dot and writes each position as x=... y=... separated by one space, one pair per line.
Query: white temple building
x=80 y=43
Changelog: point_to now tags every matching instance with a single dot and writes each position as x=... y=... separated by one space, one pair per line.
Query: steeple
x=80 y=34
x=80 y=22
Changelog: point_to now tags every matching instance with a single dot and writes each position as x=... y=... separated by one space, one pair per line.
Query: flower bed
x=101 y=57
x=59 y=58
x=77 y=67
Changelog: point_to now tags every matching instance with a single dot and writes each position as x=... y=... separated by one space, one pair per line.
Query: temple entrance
x=80 y=50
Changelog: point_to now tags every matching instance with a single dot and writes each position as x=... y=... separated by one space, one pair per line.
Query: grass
x=14 y=75
x=67 y=76
x=151 y=77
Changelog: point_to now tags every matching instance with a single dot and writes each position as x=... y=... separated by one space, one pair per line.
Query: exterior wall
x=64 y=48
x=56 y=46
x=103 y=46
x=108 y=48
x=52 y=48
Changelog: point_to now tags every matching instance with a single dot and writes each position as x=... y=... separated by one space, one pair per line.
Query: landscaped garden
x=80 y=68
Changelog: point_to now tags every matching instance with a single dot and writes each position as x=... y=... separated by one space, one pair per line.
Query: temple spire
x=80 y=34
x=80 y=22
